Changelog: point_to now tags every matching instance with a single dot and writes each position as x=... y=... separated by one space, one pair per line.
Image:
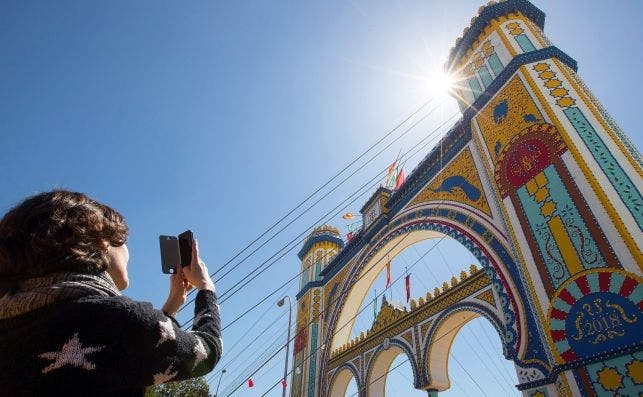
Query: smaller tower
x=318 y=250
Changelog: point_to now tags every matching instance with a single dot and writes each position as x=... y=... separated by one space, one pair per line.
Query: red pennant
x=408 y=287
x=399 y=181
x=283 y=383
x=391 y=168
x=250 y=382
x=388 y=274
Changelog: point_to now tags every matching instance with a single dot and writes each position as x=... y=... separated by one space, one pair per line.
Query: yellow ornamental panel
x=458 y=182
x=508 y=113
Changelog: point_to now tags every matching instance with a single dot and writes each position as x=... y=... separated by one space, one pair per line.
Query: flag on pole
x=391 y=175
x=375 y=306
x=284 y=384
x=408 y=287
x=399 y=180
x=391 y=168
x=250 y=382
x=388 y=274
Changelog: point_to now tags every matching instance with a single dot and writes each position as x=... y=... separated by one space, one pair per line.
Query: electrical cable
x=230 y=361
x=426 y=103
x=361 y=310
x=374 y=178
x=323 y=197
x=346 y=324
x=366 y=272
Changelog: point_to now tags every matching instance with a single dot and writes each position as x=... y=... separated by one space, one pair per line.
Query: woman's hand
x=197 y=273
x=179 y=288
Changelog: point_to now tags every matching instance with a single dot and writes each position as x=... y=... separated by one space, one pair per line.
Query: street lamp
x=216 y=393
x=280 y=304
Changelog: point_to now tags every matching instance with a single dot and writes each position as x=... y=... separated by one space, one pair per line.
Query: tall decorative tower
x=568 y=184
x=319 y=249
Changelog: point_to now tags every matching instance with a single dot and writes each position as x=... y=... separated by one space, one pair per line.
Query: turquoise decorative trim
x=485 y=75
x=574 y=291
x=312 y=367
x=486 y=15
x=618 y=178
x=475 y=87
x=616 y=283
x=305 y=277
x=583 y=242
x=525 y=43
x=565 y=208
x=495 y=64
x=553 y=259
x=318 y=270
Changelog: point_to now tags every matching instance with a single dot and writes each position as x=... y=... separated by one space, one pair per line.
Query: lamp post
x=216 y=393
x=280 y=304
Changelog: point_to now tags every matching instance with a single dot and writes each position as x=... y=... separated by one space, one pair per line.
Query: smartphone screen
x=170 y=254
x=185 y=244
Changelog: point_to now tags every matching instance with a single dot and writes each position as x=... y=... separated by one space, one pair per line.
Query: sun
x=440 y=83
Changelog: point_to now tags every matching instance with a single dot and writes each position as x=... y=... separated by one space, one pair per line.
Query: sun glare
x=440 y=83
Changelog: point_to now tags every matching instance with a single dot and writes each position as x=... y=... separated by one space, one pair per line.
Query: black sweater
x=105 y=346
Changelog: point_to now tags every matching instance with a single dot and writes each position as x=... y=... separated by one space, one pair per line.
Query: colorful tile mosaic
x=621 y=376
x=458 y=182
x=596 y=312
x=603 y=156
x=510 y=111
x=515 y=29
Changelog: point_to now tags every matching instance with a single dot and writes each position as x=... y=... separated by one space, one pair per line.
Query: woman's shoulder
x=118 y=307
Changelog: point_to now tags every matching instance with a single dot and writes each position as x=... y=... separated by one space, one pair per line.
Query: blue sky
x=222 y=116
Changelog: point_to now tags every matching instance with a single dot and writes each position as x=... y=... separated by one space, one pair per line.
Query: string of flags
x=394 y=176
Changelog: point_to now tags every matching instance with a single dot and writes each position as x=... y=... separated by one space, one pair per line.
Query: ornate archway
x=542 y=187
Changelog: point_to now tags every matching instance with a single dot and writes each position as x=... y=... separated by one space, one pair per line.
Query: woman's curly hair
x=58 y=231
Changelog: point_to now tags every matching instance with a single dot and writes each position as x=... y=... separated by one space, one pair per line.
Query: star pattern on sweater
x=199 y=351
x=72 y=353
x=201 y=315
x=165 y=376
x=167 y=331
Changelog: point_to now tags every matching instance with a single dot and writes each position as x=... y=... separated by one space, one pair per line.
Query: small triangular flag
x=250 y=382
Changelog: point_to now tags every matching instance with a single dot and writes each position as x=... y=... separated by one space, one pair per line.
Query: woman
x=65 y=329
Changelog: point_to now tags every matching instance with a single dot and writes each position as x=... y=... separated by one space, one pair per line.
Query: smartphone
x=170 y=254
x=185 y=246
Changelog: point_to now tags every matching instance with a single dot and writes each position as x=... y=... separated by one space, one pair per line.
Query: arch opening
x=366 y=278
x=380 y=368
x=478 y=348
x=343 y=383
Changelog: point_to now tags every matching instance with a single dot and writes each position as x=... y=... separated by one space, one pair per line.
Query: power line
x=361 y=310
x=378 y=260
x=426 y=103
x=329 y=303
x=317 y=222
x=230 y=361
x=327 y=194
x=397 y=279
